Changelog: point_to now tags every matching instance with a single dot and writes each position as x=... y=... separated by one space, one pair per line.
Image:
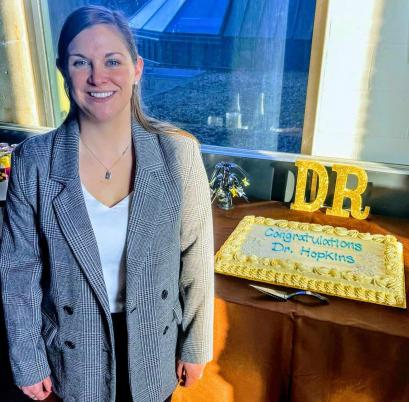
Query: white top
x=110 y=228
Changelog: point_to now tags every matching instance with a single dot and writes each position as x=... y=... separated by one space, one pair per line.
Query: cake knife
x=284 y=296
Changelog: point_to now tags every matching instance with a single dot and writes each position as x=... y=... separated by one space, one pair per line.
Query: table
x=347 y=351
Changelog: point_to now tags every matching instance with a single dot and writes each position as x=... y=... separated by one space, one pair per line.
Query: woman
x=107 y=249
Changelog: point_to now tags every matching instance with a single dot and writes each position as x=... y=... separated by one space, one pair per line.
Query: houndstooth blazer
x=54 y=296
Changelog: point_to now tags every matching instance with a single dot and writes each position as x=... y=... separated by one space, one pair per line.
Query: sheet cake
x=326 y=259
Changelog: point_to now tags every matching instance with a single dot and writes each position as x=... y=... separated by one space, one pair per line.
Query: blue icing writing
x=285 y=236
x=321 y=240
x=326 y=255
x=279 y=247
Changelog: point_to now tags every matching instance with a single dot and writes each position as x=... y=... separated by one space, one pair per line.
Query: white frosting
x=281 y=245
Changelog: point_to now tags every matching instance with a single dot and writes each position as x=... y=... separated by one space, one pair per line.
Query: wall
x=363 y=99
x=17 y=95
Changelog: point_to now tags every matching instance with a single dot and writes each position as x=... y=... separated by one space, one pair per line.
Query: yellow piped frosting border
x=388 y=289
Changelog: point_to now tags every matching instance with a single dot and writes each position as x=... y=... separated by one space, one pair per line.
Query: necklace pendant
x=108 y=175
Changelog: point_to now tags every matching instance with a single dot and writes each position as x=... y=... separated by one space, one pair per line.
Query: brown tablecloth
x=346 y=351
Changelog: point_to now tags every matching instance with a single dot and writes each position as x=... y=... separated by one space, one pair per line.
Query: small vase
x=225 y=201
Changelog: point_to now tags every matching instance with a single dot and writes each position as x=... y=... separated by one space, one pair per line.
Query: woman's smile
x=101 y=97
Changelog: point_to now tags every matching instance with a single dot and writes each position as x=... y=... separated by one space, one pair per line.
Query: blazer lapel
x=71 y=211
x=146 y=203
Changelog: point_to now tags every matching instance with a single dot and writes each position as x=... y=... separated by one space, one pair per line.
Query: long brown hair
x=86 y=17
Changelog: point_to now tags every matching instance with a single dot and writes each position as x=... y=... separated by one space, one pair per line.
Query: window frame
x=38 y=27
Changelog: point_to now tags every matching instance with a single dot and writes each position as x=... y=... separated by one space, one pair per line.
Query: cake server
x=280 y=295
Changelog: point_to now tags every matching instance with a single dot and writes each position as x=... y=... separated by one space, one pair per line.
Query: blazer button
x=164 y=294
x=165 y=330
x=68 y=310
x=69 y=344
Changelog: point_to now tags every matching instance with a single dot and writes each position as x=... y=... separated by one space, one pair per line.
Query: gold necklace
x=108 y=170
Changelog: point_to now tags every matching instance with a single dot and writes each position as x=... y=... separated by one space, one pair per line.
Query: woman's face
x=102 y=74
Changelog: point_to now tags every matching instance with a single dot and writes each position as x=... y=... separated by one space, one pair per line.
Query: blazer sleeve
x=196 y=283
x=20 y=273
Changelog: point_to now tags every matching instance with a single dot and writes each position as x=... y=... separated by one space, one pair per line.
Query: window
x=233 y=73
